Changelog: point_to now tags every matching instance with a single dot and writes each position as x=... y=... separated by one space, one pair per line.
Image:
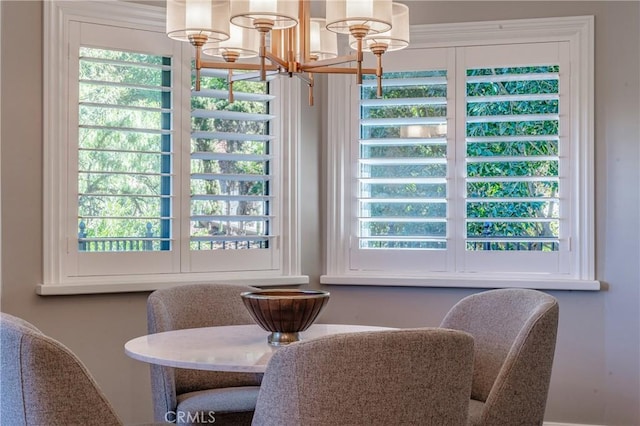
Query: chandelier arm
x=359 y=62
x=304 y=77
x=277 y=40
x=230 y=81
x=251 y=75
x=343 y=70
x=291 y=54
x=277 y=60
x=263 y=55
x=378 y=50
x=328 y=62
x=379 y=75
x=237 y=66
x=198 y=65
x=197 y=41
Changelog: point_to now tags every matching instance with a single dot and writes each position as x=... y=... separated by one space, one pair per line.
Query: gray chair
x=232 y=396
x=515 y=335
x=414 y=376
x=44 y=383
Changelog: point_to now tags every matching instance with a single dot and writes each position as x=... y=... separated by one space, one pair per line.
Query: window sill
x=87 y=287
x=462 y=282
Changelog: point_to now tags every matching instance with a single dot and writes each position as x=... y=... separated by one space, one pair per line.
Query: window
x=473 y=168
x=148 y=183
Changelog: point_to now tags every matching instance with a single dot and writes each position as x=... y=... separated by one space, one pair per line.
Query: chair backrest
x=197 y=305
x=44 y=383
x=515 y=337
x=411 y=376
x=191 y=306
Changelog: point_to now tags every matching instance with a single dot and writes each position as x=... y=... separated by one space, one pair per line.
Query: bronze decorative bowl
x=285 y=312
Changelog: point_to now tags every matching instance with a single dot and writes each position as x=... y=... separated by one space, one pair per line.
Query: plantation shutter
x=124 y=151
x=121 y=162
x=231 y=206
x=459 y=166
x=402 y=168
x=516 y=188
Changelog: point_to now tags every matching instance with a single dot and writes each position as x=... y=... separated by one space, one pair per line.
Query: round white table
x=239 y=348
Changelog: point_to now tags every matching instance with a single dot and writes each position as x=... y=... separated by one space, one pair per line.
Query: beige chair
x=193 y=393
x=515 y=336
x=398 y=377
x=44 y=383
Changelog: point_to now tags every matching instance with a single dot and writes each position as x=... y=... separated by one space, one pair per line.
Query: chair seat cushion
x=235 y=399
x=475 y=412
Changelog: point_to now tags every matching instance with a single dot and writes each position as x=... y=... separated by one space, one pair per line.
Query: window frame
x=579 y=33
x=56 y=149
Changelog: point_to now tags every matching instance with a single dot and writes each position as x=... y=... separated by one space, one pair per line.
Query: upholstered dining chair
x=515 y=337
x=232 y=396
x=392 y=377
x=44 y=383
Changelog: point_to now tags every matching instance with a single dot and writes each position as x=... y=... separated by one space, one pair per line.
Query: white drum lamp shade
x=283 y=13
x=397 y=38
x=344 y=14
x=323 y=43
x=198 y=17
x=244 y=42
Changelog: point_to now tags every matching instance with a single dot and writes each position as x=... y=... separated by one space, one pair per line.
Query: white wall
x=595 y=378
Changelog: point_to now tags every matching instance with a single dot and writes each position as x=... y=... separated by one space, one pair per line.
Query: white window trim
x=56 y=16
x=579 y=32
x=0 y=150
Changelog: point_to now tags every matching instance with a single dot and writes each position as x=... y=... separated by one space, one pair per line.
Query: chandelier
x=285 y=39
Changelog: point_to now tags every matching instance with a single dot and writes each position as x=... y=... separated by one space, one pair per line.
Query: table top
x=238 y=348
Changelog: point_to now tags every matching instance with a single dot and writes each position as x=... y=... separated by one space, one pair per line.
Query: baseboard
x=565 y=424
